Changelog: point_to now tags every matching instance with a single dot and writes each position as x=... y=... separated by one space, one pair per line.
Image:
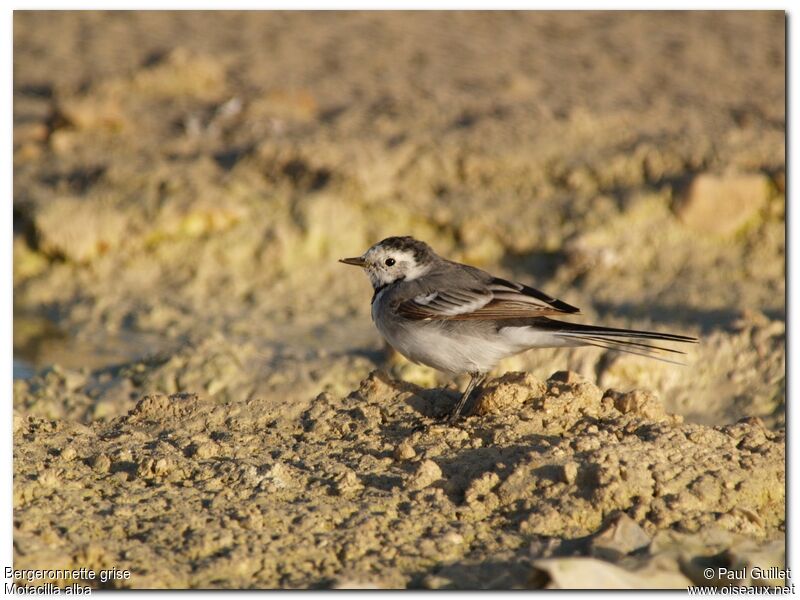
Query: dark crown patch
x=422 y=252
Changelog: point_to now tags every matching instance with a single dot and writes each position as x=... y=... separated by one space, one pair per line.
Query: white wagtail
x=460 y=319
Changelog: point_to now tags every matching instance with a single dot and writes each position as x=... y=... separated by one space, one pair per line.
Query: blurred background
x=185 y=181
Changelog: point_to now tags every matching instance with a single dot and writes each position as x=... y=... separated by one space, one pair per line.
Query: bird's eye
x=389 y=262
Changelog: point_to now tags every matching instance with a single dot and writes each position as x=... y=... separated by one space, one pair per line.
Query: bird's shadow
x=434 y=403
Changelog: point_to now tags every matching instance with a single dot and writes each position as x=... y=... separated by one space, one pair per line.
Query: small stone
x=404 y=451
x=621 y=537
x=348 y=483
x=162 y=466
x=567 y=377
x=278 y=476
x=721 y=204
x=101 y=463
x=569 y=472
x=68 y=453
x=427 y=472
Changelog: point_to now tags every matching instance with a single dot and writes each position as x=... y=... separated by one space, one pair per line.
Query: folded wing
x=498 y=299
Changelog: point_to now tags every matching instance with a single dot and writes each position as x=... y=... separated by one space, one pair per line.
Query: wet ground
x=196 y=396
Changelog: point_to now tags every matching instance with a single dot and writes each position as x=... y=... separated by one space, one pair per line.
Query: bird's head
x=394 y=259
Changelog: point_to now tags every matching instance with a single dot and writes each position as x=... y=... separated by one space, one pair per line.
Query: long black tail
x=621 y=340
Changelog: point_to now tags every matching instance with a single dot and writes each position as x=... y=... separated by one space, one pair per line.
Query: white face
x=384 y=265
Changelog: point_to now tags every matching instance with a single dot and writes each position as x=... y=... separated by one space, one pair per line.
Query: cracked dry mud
x=371 y=489
x=198 y=398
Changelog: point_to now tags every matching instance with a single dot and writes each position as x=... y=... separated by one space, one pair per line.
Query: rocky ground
x=198 y=398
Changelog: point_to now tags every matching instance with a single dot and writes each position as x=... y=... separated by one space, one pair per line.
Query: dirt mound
x=373 y=488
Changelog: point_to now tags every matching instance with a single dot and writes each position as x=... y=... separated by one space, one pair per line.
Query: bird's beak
x=355 y=261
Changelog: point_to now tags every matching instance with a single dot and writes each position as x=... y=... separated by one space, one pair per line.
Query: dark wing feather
x=498 y=299
x=512 y=291
x=448 y=304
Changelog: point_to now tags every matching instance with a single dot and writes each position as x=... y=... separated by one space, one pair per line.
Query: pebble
x=569 y=472
x=622 y=536
x=721 y=204
x=101 y=463
x=404 y=451
x=427 y=472
x=348 y=483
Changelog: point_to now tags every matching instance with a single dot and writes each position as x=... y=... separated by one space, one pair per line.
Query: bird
x=459 y=319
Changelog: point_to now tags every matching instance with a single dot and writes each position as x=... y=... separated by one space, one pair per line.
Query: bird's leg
x=475 y=379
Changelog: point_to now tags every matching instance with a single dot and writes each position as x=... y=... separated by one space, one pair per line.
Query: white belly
x=431 y=345
x=460 y=347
